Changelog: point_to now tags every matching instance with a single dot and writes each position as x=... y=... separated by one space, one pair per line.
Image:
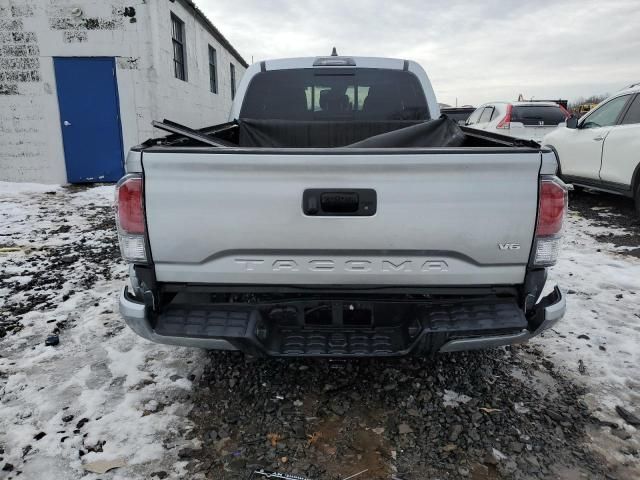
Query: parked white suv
x=528 y=120
x=602 y=149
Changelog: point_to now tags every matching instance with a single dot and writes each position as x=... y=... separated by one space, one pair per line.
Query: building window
x=233 y=80
x=213 y=74
x=177 y=38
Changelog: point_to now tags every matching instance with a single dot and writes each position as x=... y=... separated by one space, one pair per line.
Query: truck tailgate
x=443 y=218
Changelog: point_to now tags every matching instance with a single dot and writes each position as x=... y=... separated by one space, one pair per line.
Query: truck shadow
x=503 y=413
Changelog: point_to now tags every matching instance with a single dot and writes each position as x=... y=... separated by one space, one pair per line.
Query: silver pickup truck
x=338 y=215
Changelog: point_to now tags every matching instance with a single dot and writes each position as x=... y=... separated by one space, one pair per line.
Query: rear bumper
x=456 y=329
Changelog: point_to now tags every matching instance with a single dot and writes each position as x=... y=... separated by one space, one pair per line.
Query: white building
x=81 y=81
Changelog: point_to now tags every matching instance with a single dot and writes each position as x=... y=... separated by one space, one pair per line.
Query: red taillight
x=130 y=210
x=505 y=122
x=551 y=208
x=130 y=219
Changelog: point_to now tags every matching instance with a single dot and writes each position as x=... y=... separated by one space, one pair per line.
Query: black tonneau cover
x=393 y=134
x=361 y=134
x=313 y=133
x=443 y=132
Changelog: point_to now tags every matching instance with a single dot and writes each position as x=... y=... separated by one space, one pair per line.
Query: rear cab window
x=335 y=94
x=538 y=115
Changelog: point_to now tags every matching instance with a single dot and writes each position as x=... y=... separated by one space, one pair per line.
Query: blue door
x=89 y=118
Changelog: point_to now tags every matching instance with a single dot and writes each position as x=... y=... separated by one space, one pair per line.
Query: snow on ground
x=602 y=324
x=105 y=394
x=132 y=393
x=598 y=340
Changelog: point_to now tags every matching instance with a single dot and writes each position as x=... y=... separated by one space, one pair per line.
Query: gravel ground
x=496 y=414
x=535 y=411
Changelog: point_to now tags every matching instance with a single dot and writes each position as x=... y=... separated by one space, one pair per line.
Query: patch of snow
x=601 y=328
x=21 y=279
x=16 y=188
x=576 y=223
x=101 y=371
x=453 y=399
x=104 y=195
x=498 y=455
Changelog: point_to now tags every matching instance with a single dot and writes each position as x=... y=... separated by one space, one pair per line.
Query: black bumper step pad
x=376 y=342
x=423 y=328
x=201 y=321
x=480 y=317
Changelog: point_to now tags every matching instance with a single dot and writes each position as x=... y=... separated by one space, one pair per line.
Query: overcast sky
x=475 y=51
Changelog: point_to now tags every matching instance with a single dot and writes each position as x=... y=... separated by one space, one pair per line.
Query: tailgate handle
x=358 y=202
x=339 y=202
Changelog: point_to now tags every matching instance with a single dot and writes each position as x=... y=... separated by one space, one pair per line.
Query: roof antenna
x=334 y=53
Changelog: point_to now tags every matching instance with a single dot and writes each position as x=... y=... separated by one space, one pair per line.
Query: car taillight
x=506 y=121
x=130 y=219
x=552 y=208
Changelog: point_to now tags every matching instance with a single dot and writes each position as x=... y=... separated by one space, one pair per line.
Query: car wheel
x=637 y=198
